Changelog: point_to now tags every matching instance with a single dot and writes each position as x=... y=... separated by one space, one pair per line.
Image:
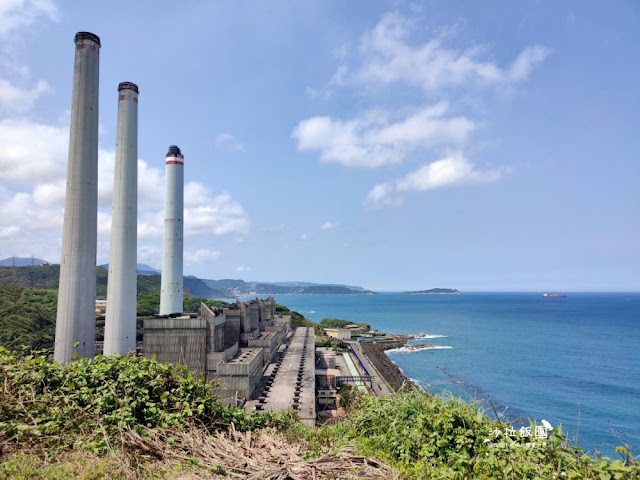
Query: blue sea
x=573 y=361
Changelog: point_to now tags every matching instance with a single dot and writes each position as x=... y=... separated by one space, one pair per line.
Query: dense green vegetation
x=28 y=315
x=149 y=304
x=41 y=276
x=101 y=283
x=433 y=437
x=192 y=304
x=340 y=323
x=90 y=405
x=297 y=319
x=47 y=277
x=88 y=401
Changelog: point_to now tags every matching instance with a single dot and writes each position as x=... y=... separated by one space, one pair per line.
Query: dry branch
x=253 y=456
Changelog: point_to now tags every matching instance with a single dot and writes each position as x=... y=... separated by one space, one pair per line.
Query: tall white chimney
x=76 y=320
x=171 y=284
x=120 y=323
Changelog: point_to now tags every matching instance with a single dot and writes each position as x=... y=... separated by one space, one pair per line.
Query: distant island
x=435 y=291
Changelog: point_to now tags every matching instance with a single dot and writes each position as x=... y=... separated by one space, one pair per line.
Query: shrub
x=433 y=437
x=56 y=404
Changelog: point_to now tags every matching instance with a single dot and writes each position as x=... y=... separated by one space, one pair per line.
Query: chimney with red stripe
x=171 y=284
x=76 y=318
x=120 y=322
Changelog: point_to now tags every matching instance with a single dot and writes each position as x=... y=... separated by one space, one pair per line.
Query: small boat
x=553 y=295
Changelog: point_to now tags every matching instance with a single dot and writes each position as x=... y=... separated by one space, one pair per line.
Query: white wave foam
x=426 y=335
x=311 y=311
x=422 y=385
x=412 y=350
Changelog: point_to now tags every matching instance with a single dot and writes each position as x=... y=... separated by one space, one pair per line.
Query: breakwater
x=375 y=353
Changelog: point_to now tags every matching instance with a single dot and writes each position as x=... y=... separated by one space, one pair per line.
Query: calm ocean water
x=573 y=360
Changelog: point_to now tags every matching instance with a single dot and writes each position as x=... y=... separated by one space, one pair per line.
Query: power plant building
x=120 y=323
x=247 y=348
x=252 y=355
x=75 y=320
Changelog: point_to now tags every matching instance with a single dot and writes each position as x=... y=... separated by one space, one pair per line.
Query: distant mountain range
x=22 y=262
x=43 y=275
x=141 y=268
x=308 y=284
x=240 y=287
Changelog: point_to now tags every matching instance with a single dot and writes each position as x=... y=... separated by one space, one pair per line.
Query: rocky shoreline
x=392 y=375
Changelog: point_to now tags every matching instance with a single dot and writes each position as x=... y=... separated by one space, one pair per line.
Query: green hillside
x=47 y=277
x=39 y=276
x=28 y=315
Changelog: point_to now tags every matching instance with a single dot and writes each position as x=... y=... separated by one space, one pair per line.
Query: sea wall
x=392 y=375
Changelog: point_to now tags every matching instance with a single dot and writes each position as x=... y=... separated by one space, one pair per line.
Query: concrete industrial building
x=293 y=377
x=243 y=347
x=171 y=290
x=339 y=333
x=75 y=319
x=120 y=322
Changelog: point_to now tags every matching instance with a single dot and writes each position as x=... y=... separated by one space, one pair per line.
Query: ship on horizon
x=553 y=295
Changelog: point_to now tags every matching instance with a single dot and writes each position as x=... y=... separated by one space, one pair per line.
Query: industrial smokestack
x=171 y=285
x=76 y=320
x=120 y=323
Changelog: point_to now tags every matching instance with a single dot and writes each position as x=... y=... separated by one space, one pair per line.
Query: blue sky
x=394 y=145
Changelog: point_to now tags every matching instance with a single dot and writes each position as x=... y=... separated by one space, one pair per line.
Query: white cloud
x=219 y=215
x=106 y=169
x=47 y=195
x=523 y=65
x=104 y=224
x=16 y=14
x=19 y=209
x=388 y=57
x=228 y=143
x=32 y=152
x=328 y=226
x=150 y=254
x=26 y=228
x=451 y=170
x=378 y=137
x=318 y=93
x=243 y=269
x=454 y=169
x=33 y=187
x=150 y=185
x=15 y=99
x=202 y=256
x=380 y=196
x=150 y=226
x=10 y=231
x=18 y=93
x=305 y=236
